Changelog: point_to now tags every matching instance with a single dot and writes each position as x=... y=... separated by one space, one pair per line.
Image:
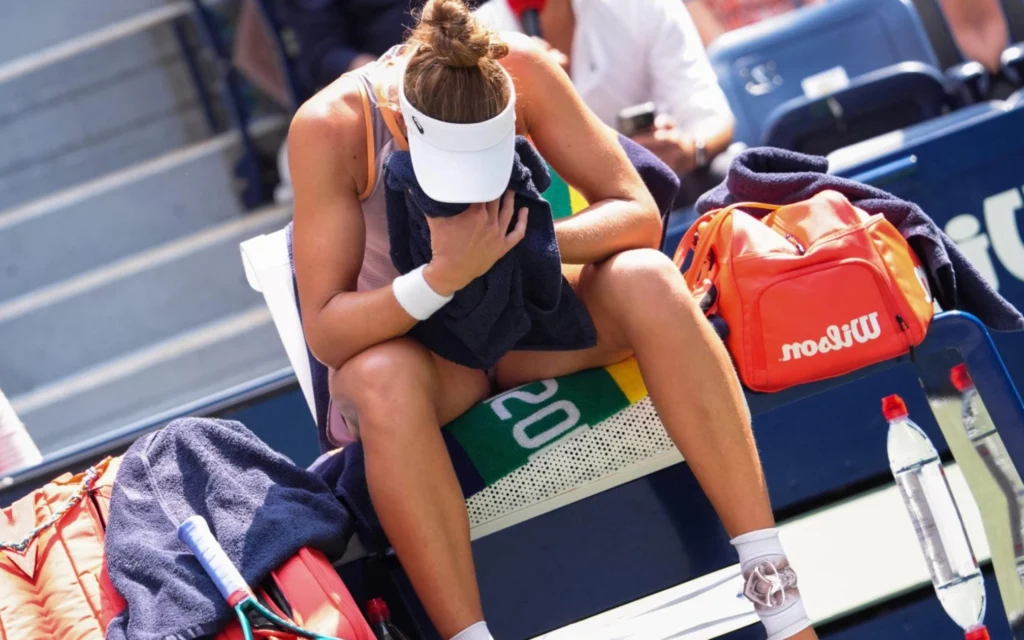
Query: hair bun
x=455 y=37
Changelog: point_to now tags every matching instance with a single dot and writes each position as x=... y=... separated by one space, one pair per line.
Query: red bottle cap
x=977 y=633
x=893 y=408
x=960 y=378
x=377 y=611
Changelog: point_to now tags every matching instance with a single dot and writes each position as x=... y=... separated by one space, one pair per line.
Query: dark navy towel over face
x=777 y=176
x=261 y=508
x=523 y=302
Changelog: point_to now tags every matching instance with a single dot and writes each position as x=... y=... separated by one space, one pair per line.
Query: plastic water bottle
x=379 y=615
x=918 y=471
x=990 y=447
x=17 y=449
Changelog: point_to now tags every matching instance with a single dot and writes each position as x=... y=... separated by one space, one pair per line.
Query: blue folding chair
x=811 y=52
x=888 y=99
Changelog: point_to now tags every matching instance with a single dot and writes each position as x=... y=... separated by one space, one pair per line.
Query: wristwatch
x=700 y=153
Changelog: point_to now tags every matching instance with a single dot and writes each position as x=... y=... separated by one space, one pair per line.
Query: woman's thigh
x=521 y=367
x=386 y=377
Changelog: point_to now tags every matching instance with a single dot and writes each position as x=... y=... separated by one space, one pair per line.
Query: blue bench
x=819 y=442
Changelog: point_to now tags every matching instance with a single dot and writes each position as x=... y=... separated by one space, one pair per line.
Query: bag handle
x=91 y=475
x=705 y=239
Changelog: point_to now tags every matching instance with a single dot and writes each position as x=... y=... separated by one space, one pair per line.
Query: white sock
x=770 y=583
x=477 y=631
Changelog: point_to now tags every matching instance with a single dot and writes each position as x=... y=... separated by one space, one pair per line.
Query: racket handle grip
x=196 y=535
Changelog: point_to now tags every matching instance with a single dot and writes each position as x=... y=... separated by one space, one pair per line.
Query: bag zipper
x=99 y=512
x=800 y=249
x=888 y=299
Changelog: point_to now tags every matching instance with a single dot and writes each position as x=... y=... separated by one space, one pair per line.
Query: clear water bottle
x=918 y=471
x=379 y=615
x=990 y=447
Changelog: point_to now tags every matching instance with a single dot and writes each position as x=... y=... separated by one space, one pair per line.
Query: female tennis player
x=395 y=394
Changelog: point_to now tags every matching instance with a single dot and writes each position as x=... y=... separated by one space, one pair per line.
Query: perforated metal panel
x=632 y=436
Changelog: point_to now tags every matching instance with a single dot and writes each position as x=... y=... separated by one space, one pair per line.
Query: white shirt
x=626 y=52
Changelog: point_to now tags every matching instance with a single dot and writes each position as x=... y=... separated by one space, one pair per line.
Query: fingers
x=508 y=207
x=667 y=135
x=517 y=234
x=493 y=207
x=664 y=121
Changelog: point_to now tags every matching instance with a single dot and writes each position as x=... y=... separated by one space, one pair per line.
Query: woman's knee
x=639 y=276
x=383 y=375
x=642 y=290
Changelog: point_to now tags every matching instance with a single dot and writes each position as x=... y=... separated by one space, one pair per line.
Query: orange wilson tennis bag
x=813 y=290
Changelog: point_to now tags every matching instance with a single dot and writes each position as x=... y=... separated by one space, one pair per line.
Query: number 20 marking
x=571 y=411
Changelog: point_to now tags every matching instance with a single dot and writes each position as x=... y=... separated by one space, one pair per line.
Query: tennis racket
x=195 y=533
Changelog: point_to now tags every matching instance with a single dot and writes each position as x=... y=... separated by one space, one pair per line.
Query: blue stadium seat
x=895 y=97
x=762 y=66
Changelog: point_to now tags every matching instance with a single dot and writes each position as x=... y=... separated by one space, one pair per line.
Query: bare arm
x=707 y=24
x=327 y=143
x=587 y=155
x=327 y=156
x=683 y=81
x=979 y=29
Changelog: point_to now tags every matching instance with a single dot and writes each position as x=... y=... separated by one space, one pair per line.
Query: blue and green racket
x=196 y=535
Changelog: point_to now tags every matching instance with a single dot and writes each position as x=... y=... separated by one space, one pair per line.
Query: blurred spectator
x=17 y=450
x=715 y=17
x=253 y=54
x=979 y=29
x=622 y=53
x=336 y=36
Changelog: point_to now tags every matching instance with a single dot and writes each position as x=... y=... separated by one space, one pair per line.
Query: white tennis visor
x=461 y=163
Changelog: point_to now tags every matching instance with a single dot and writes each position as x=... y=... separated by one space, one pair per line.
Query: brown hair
x=454 y=75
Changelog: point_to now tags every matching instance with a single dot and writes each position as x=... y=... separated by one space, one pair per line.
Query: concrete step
x=184 y=368
x=36 y=34
x=105 y=313
x=104 y=110
x=82 y=228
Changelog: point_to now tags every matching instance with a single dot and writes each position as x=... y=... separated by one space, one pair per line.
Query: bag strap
x=686 y=242
x=87 y=485
x=371 y=147
x=705 y=239
x=390 y=119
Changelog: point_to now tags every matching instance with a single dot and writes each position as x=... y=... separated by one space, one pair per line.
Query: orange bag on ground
x=814 y=290
x=52 y=574
x=54 y=584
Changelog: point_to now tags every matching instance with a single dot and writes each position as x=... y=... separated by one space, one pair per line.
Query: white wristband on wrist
x=415 y=295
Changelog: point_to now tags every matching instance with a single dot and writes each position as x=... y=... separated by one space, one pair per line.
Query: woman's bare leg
x=640 y=303
x=401 y=394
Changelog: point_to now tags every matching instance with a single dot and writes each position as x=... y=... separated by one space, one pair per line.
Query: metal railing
x=68 y=458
